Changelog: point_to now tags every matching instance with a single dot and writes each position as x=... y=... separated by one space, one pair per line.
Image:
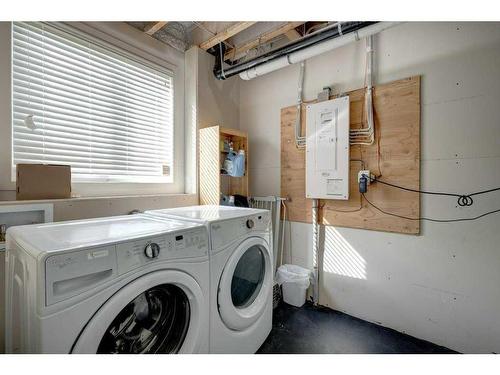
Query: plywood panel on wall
x=394 y=157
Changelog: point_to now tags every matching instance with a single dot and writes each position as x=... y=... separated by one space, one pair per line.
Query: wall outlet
x=365 y=172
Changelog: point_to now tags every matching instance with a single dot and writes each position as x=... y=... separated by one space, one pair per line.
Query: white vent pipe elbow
x=315 y=50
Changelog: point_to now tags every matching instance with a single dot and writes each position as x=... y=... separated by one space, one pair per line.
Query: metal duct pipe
x=222 y=72
x=315 y=50
x=316 y=44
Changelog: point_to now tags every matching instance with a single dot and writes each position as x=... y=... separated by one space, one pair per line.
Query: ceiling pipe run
x=318 y=36
x=304 y=49
x=316 y=50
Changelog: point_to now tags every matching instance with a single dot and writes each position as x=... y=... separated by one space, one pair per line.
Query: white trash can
x=294 y=281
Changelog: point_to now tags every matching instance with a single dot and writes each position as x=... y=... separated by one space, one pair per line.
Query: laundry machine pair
x=241 y=273
x=126 y=284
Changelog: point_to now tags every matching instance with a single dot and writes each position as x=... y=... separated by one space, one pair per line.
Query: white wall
x=441 y=286
x=209 y=102
x=218 y=101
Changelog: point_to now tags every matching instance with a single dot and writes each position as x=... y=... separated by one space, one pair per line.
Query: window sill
x=103 y=197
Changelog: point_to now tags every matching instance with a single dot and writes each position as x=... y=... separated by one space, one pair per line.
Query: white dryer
x=241 y=274
x=125 y=284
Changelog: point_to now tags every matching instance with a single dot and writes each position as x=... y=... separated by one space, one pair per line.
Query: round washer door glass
x=156 y=321
x=248 y=277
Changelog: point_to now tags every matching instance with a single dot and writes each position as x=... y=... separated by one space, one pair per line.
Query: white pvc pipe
x=315 y=50
x=366 y=136
x=299 y=140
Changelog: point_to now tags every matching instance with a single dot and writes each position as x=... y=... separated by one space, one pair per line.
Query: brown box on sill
x=43 y=181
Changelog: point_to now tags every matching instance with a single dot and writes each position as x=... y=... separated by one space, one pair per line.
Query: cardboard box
x=43 y=181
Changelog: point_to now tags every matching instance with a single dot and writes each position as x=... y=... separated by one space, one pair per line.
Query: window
x=81 y=102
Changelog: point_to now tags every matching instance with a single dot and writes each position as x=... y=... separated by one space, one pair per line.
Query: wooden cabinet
x=213 y=182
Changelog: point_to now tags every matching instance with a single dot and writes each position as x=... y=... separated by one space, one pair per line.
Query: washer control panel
x=189 y=244
x=69 y=274
x=227 y=231
x=72 y=273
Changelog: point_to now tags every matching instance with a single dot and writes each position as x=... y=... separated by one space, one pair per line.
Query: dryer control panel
x=225 y=232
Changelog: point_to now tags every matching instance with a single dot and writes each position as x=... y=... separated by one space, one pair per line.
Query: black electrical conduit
x=307 y=41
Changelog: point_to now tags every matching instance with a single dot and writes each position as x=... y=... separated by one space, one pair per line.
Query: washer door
x=159 y=312
x=245 y=284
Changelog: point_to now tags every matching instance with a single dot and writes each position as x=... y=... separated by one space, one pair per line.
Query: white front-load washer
x=125 y=284
x=241 y=274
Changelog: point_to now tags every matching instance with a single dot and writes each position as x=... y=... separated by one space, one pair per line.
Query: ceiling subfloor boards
x=226 y=34
x=239 y=51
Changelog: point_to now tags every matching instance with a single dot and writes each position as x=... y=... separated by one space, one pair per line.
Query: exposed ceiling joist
x=235 y=53
x=226 y=34
x=154 y=27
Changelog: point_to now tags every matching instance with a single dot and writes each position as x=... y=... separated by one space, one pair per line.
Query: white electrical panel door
x=327 y=149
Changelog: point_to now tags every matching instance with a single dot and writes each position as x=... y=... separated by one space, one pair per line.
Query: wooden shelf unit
x=212 y=156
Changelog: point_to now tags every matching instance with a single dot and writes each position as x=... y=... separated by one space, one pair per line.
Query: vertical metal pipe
x=276 y=232
x=315 y=245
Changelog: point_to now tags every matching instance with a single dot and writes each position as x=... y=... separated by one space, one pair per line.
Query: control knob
x=152 y=250
x=250 y=224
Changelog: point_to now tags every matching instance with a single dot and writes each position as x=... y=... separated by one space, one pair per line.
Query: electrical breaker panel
x=327 y=149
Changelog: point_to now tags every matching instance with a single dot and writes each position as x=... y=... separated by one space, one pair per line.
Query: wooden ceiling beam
x=154 y=27
x=292 y=35
x=226 y=34
x=236 y=52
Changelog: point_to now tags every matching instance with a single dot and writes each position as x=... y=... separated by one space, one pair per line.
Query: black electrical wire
x=429 y=219
x=464 y=200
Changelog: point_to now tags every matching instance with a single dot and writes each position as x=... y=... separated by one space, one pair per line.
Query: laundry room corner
x=297 y=187
x=414 y=284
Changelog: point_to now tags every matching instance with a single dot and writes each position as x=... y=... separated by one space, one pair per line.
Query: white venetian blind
x=80 y=102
